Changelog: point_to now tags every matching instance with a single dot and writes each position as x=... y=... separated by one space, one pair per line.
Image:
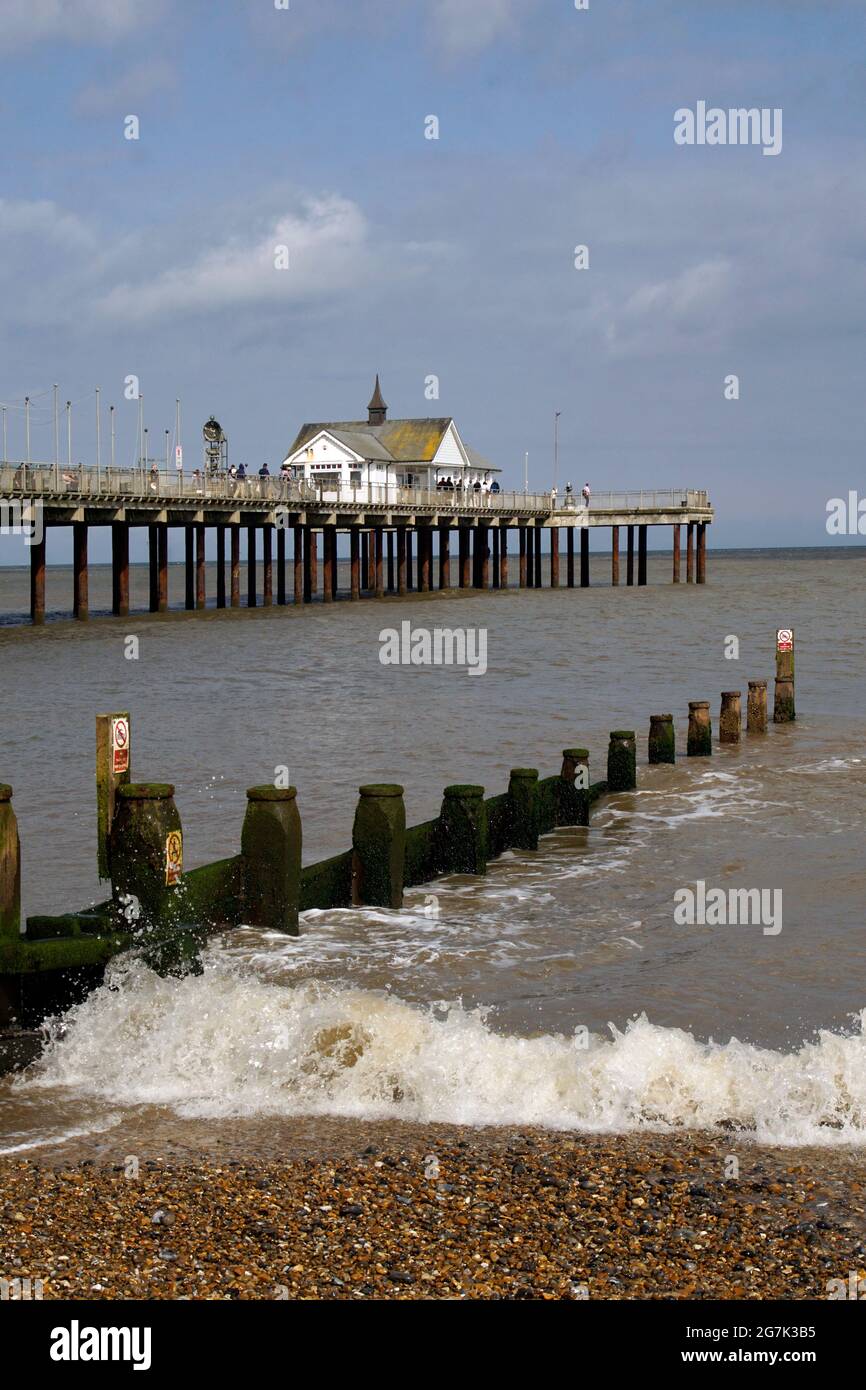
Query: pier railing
x=154 y=485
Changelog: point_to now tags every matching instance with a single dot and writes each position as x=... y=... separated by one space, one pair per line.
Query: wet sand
x=435 y=1212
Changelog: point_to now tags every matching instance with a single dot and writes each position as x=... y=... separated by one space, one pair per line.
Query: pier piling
x=629 y=560
x=80 y=601
x=690 y=552
x=584 y=557
x=37 y=581
x=251 y=567
x=235 y=577
x=676 y=553
x=641 y=555
x=189 y=568
x=221 y=566
x=614 y=556
x=554 y=557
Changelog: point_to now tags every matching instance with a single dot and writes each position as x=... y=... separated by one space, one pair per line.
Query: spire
x=377 y=409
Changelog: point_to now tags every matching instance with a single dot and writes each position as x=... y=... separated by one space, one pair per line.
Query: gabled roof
x=398 y=441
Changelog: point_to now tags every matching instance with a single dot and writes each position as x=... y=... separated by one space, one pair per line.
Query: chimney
x=377 y=410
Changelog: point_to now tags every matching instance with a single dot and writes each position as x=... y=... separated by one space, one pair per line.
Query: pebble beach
x=402 y=1212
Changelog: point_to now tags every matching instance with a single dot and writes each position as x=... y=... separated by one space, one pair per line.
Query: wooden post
x=495 y=534
x=402 y=559
x=113 y=770
x=199 y=566
x=662 y=744
x=584 y=557
x=314 y=562
x=521 y=557
x=354 y=564
x=756 y=708
x=641 y=554
x=379 y=847
x=10 y=870
x=235 y=577
x=281 y=565
x=702 y=552
x=622 y=761
x=463 y=539
x=554 y=557
x=629 y=559
x=328 y=535
x=730 y=717
x=221 y=566
x=677 y=549
x=189 y=567
x=365 y=561
x=569 y=557
x=378 y=535
x=162 y=566
x=425 y=550
x=700 y=736
x=530 y=558
x=153 y=567
x=783 y=703
x=503 y=557
x=308 y=564
x=370 y=577
x=444 y=557
x=119 y=569
x=298 y=564
x=251 y=565
x=690 y=552
x=390 y=562
x=410 y=580
x=37 y=581
x=271 y=841
x=484 y=536
x=538 y=558
x=614 y=556
x=80 y=605
x=267 y=565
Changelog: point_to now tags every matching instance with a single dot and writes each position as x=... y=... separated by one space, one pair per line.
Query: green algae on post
x=379 y=846
x=622 y=761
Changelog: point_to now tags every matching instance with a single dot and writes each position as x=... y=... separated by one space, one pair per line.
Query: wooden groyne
x=166 y=912
x=399 y=538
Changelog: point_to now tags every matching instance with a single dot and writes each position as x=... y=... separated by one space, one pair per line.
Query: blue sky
x=454 y=257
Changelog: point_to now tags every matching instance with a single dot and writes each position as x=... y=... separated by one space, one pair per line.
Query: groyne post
x=462 y=845
x=699 y=743
x=379 y=847
x=662 y=744
x=10 y=868
x=572 y=800
x=783 y=703
x=730 y=717
x=756 y=708
x=146 y=854
x=113 y=770
x=622 y=761
x=271 y=841
x=523 y=796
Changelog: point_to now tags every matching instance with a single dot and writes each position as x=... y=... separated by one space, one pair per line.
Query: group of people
x=568 y=499
x=480 y=488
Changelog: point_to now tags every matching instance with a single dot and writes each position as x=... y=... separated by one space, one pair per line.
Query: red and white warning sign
x=784 y=640
x=173 y=856
x=120 y=745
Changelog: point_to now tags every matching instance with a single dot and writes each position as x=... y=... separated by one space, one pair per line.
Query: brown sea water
x=470 y=1004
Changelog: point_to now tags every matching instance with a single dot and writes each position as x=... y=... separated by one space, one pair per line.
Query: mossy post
x=379 y=846
x=662 y=743
x=523 y=795
x=622 y=761
x=146 y=851
x=462 y=830
x=700 y=738
x=271 y=855
x=113 y=770
x=572 y=792
x=783 y=705
x=10 y=868
x=730 y=717
x=756 y=708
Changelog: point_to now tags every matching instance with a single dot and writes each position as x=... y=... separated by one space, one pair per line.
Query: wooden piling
x=251 y=566
x=463 y=540
x=354 y=564
x=425 y=550
x=189 y=567
x=503 y=557
x=783 y=703
x=530 y=557
x=572 y=798
x=661 y=744
x=554 y=557
x=119 y=569
x=676 y=555
x=153 y=569
x=267 y=566
x=379 y=847
x=756 y=708
x=700 y=737
x=298 y=564
x=271 y=841
x=329 y=534
x=365 y=561
x=281 y=565
x=524 y=808
x=410 y=578
x=494 y=531
x=200 y=596
x=314 y=562
x=730 y=717
x=629 y=556
x=702 y=553
x=483 y=534
x=221 y=566
x=162 y=567
x=444 y=557
x=462 y=833
x=379 y=571
x=690 y=552
x=402 y=559
x=113 y=770
x=80 y=601
x=537 y=558
x=308 y=564
x=614 y=556
x=37 y=581
x=521 y=557
x=584 y=557
x=390 y=535
x=641 y=555
x=235 y=574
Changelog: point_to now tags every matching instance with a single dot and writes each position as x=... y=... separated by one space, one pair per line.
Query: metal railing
x=152 y=485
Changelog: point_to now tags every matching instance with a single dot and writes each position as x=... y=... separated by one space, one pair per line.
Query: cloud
x=128 y=89
x=44 y=221
x=464 y=27
x=24 y=22
x=326 y=241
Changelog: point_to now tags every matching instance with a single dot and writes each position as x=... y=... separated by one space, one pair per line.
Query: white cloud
x=25 y=22
x=42 y=220
x=327 y=246
x=467 y=26
x=136 y=85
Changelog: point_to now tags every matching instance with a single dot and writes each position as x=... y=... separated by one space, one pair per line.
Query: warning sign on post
x=173 y=856
x=120 y=745
x=784 y=640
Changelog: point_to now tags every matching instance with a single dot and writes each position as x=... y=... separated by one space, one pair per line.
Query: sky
x=265 y=124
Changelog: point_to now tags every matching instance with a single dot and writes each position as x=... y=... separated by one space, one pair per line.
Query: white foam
x=231 y=1044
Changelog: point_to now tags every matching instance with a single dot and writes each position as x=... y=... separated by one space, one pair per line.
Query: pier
x=391 y=532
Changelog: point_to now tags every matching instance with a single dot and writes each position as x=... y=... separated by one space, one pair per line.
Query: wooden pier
x=391 y=534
